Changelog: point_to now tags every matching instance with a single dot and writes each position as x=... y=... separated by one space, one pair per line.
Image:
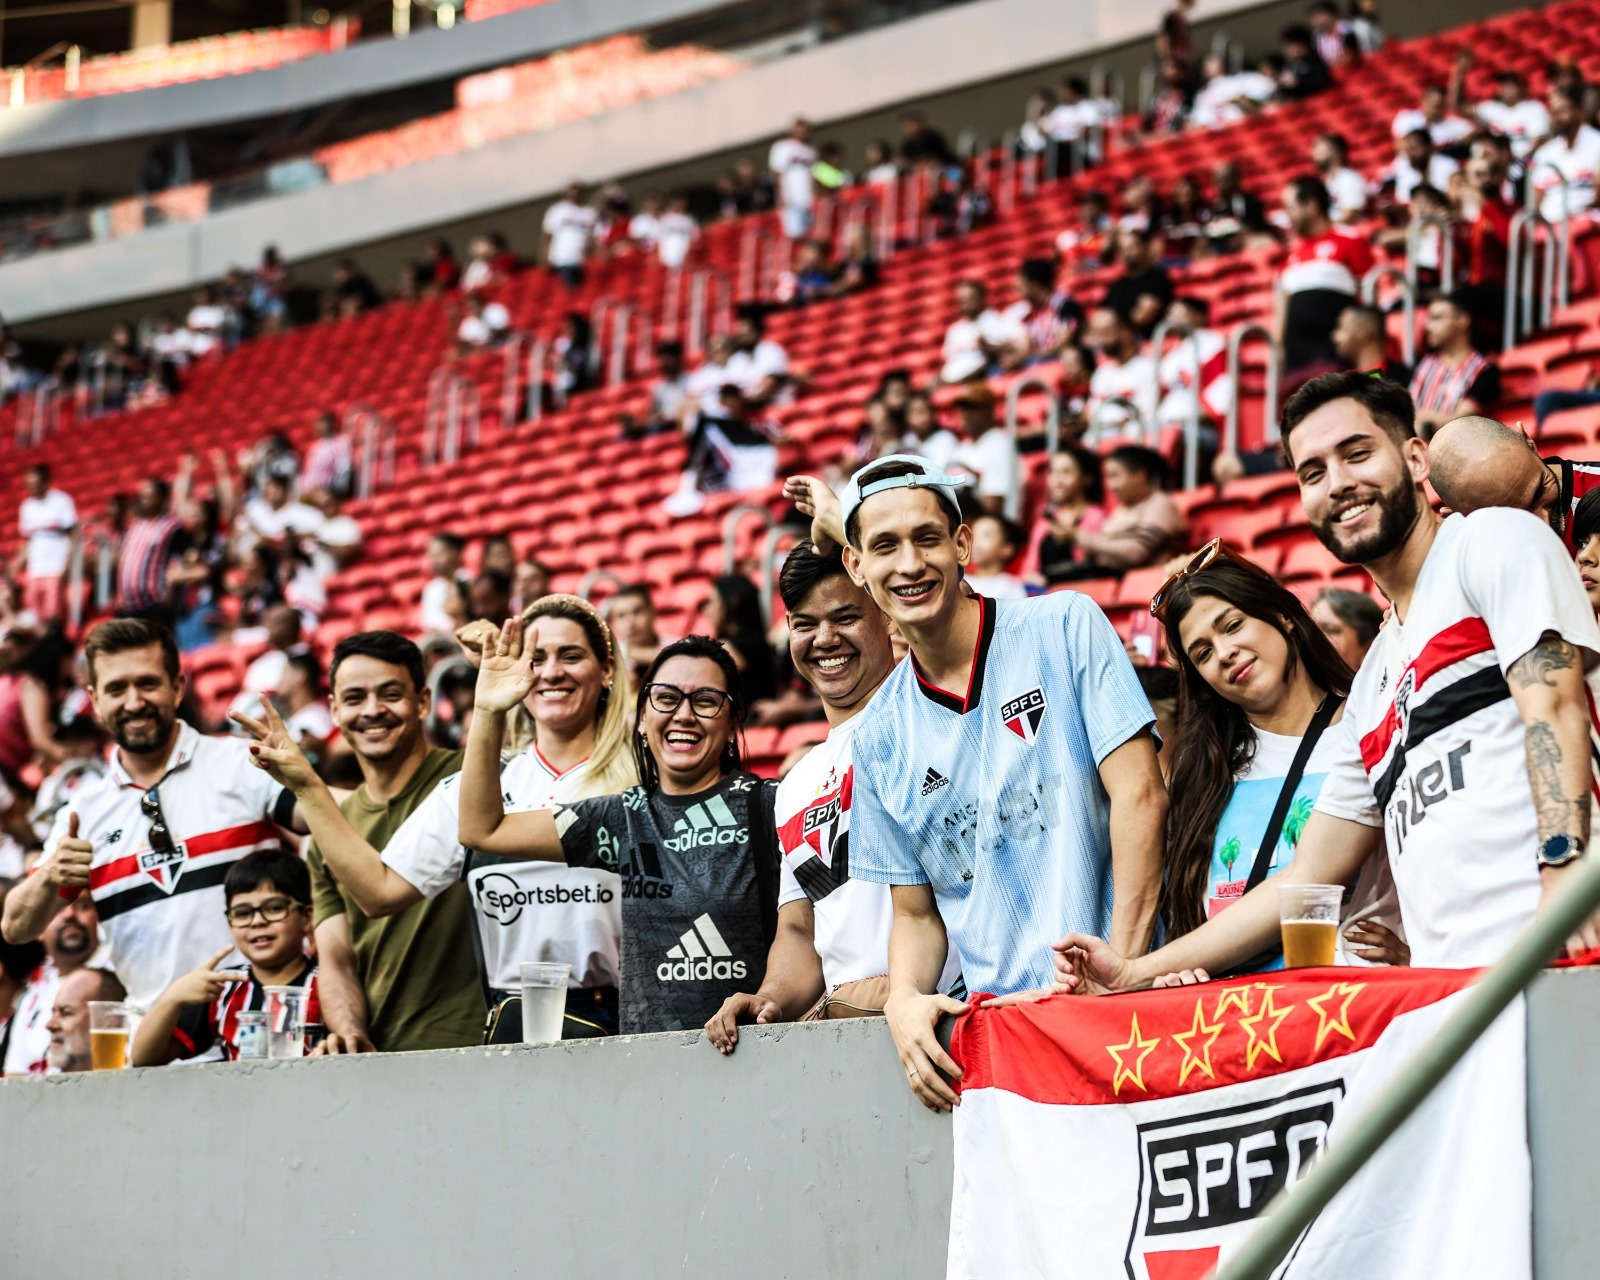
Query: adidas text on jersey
x=706 y=824
x=701 y=955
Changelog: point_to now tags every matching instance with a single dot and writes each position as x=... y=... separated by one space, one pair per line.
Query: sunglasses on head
x=1203 y=559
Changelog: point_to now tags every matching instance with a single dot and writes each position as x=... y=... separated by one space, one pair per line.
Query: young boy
x=268 y=895
x=995 y=543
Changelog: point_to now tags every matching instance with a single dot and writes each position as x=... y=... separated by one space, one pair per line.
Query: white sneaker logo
x=703 y=825
x=701 y=954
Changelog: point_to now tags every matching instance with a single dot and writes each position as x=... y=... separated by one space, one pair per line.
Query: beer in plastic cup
x=286 y=1017
x=109 y=1024
x=544 y=1000
x=1309 y=917
x=250 y=1036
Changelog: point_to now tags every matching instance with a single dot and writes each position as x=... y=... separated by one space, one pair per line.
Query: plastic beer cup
x=1308 y=914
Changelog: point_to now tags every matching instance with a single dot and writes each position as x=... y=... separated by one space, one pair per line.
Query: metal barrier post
x=594 y=578
x=105 y=574
x=1052 y=413
x=75 y=587
x=887 y=213
x=1006 y=199
x=1408 y=303
x=599 y=313
x=730 y=530
x=510 y=372
x=1294 y=1209
x=672 y=304
x=1191 y=425
x=617 y=365
x=769 y=567
x=538 y=354
x=749 y=255
x=1236 y=340
x=1517 y=233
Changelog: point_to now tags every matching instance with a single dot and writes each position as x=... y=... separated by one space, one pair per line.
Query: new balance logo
x=701 y=954
x=706 y=824
x=932 y=781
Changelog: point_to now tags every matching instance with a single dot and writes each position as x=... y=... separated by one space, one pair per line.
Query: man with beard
x=69 y=940
x=69 y=1018
x=1477 y=462
x=408 y=980
x=151 y=840
x=1467 y=732
x=830 y=958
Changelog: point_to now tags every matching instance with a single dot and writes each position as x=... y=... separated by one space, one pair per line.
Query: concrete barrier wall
x=802 y=1156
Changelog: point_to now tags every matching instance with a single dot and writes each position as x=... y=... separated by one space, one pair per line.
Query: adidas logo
x=932 y=781
x=701 y=954
x=702 y=825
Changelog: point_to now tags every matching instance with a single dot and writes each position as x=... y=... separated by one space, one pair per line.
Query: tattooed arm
x=1547 y=686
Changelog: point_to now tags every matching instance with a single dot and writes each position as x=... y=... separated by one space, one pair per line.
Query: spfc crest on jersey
x=1024 y=714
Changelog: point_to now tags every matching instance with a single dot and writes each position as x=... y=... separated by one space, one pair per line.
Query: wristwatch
x=1557 y=851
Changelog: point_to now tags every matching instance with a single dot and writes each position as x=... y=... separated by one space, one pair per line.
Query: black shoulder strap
x=766 y=853
x=1280 y=811
x=475 y=928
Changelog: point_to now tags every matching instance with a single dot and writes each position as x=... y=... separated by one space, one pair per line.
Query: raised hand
x=68 y=866
x=815 y=499
x=505 y=677
x=275 y=751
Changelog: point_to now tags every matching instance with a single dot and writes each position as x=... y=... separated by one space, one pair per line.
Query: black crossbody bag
x=1280 y=811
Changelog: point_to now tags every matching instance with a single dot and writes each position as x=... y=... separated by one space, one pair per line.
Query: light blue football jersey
x=995 y=799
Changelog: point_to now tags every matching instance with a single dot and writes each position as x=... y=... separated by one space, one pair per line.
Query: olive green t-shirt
x=417 y=967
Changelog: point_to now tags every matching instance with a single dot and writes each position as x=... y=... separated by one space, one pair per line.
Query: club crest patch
x=1024 y=714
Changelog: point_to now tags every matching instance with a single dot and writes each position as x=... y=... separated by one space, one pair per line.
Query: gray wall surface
x=803 y=1156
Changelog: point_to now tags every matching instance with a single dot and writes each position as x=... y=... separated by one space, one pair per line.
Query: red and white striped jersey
x=1336 y=260
x=1578 y=479
x=161 y=911
x=1436 y=752
x=210 y=1032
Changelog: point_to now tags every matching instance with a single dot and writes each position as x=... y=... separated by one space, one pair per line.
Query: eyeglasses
x=150 y=806
x=272 y=911
x=707 y=704
x=1207 y=556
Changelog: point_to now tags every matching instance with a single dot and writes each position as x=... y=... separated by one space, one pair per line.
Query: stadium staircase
x=566 y=486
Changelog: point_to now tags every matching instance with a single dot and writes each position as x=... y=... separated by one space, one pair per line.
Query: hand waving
x=505 y=677
x=275 y=751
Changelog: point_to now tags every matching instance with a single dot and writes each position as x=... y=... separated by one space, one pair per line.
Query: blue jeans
x=1550 y=402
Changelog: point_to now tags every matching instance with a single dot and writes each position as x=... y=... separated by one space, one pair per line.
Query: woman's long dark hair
x=741 y=607
x=690 y=647
x=1214 y=740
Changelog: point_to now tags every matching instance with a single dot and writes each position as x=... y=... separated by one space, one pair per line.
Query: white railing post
x=750 y=238
x=769 y=567
x=75 y=587
x=730 y=531
x=1408 y=303
x=1515 y=237
x=1191 y=424
x=617 y=363
x=599 y=313
x=888 y=212
x=1052 y=413
x=594 y=578
x=510 y=373
x=1236 y=340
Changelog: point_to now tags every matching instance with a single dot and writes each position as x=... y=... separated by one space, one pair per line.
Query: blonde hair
x=611 y=767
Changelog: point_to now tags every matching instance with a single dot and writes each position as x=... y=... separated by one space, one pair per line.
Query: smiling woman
x=695 y=845
x=1258 y=685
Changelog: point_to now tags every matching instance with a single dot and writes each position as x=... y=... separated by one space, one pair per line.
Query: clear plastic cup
x=251 y=1036
x=286 y=1019
x=1308 y=914
x=544 y=1000
x=110 y=1024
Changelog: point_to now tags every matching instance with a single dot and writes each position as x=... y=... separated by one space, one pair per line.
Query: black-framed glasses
x=150 y=806
x=272 y=911
x=706 y=703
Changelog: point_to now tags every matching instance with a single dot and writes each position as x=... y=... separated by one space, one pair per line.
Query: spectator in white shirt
x=980 y=338
x=758 y=366
x=207 y=323
x=705 y=383
x=1445 y=128
x=482 y=325
x=988 y=455
x=480 y=272
x=669 y=395
x=1032 y=136
x=328 y=463
x=791 y=160
x=48 y=522
x=1563 y=169
x=644 y=228
x=1417 y=164
x=1122 y=390
x=305 y=704
x=881 y=169
x=283 y=629
x=271 y=517
x=1347 y=189
x=445 y=572
x=1076 y=116
x=676 y=232
x=337 y=541
x=569 y=226
x=1513 y=114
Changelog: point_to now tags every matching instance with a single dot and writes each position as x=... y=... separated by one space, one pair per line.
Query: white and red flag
x=1139 y=1136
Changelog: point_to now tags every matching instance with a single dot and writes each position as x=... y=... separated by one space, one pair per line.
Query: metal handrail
x=510 y=374
x=1147 y=87
x=594 y=578
x=1447 y=251
x=75 y=587
x=1191 y=426
x=769 y=566
x=374 y=438
x=38 y=413
x=1052 y=413
x=538 y=358
x=730 y=531
x=622 y=317
x=672 y=304
x=888 y=210
x=1408 y=303
x=105 y=573
x=701 y=323
x=1236 y=340
x=599 y=313
x=453 y=412
x=1006 y=197
x=1515 y=235
x=749 y=259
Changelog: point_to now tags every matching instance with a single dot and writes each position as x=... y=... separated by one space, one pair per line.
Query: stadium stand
x=570 y=489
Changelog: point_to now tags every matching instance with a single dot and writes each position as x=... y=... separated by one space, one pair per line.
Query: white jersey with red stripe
x=1336 y=260
x=161 y=910
x=28 y=1044
x=852 y=917
x=1435 y=749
